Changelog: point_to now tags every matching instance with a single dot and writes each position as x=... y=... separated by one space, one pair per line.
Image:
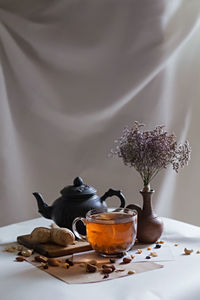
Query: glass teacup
x=109 y=231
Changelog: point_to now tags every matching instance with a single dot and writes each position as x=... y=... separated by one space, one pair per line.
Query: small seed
x=40 y=258
x=127 y=260
x=131 y=272
x=69 y=262
x=20 y=258
x=91 y=268
x=139 y=251
x=148 y=248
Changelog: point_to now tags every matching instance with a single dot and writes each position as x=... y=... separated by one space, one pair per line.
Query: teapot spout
x=43 y=208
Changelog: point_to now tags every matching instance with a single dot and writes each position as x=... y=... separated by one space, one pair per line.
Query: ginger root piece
x=62 y=236
x=41 y=235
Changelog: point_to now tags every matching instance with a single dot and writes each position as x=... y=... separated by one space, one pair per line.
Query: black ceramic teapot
x=75 y=201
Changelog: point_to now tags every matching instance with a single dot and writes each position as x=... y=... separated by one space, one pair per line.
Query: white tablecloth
x=178 y=280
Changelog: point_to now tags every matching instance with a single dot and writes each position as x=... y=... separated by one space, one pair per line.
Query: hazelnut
x=127 y=260
x=91 y=268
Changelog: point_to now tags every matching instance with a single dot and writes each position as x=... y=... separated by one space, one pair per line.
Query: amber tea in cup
x=109 y=231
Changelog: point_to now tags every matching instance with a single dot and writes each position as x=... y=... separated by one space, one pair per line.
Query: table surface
x=178 y=280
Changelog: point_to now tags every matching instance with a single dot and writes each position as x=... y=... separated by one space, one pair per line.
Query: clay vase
x=150 y=226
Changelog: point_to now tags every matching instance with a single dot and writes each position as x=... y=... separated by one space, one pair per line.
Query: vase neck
x=147 y=207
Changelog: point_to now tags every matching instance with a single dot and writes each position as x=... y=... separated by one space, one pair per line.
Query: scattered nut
x=26 y=253
x=132 y=256
x=107 y=270
x=105 y=266
x=198 y=252
x=53 y=262
x=119 y=270
x=127 y=260
x=153 y=254
x=139 y=251
x=187 y=251
x=91 y=268
x=131 y=272
x=175 y=245
x=20 y=258
x=40 y=258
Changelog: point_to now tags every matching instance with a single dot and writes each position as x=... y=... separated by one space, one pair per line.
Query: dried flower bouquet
x=151 y=151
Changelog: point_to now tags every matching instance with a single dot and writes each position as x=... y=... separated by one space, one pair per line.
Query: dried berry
x=157 y=246
x=46 y=266
x=148 y=257
x=69 y=262
x=106 y=276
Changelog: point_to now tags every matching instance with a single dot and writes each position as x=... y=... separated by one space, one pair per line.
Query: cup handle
x=74 y=229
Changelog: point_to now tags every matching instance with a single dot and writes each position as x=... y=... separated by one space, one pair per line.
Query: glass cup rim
x=131 y=214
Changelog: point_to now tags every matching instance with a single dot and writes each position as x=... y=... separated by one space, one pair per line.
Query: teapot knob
x=78 y=181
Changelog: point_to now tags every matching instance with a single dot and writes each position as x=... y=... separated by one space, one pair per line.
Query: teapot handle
x=111 y=193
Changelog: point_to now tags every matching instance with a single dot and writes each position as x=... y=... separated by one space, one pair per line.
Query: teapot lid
x=78 y=189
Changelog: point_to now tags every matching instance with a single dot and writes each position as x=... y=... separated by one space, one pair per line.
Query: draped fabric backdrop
x=73 y=73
